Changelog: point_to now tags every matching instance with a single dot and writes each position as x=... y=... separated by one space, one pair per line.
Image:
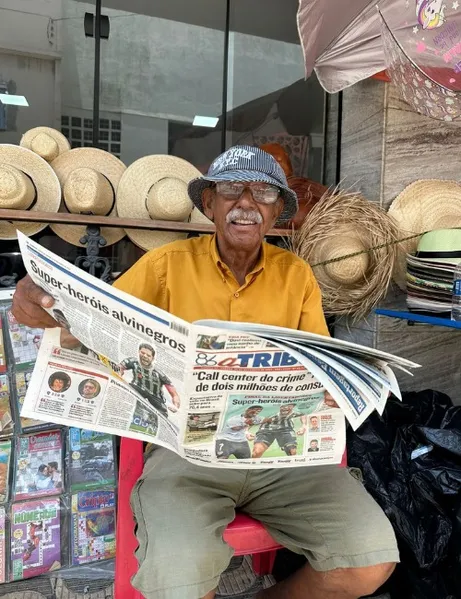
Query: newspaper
x=220 y=394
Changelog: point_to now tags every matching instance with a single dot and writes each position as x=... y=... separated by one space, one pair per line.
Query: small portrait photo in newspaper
x=211 y=342
x=59 y=382
x=89 y=388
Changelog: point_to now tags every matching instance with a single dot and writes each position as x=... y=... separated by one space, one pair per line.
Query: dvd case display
x=2 y=350
x=2 y=544
x=91 y=460
x=5 y=456
x=22 y=379
x=38 y=465
x=6 y=418
x=57 y=484
x=25 y=342
x=35 y=537
x=93 y=526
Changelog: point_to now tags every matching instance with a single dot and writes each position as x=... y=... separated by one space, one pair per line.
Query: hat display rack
x=90 y=199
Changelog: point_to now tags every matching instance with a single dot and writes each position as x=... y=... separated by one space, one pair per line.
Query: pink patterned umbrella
x=417 y=41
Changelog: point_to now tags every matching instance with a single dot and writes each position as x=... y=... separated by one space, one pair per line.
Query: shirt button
x=236 y=294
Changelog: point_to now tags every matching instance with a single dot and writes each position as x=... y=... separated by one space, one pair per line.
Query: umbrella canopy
x=343 y=41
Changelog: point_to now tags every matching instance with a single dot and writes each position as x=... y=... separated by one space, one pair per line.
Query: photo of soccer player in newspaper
x=268 y=426
x=144 y=420
x=149 y=381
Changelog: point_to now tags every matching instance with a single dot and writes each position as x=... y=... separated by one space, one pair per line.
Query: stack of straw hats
x=44 y=174
x=27 y=182
x=89 y=180
x=155 y=187
x=423 y=206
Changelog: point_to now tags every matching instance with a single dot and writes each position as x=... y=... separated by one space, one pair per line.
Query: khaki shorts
x=323 y=513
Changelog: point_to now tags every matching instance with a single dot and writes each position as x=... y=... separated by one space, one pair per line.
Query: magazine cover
x=35 y=538
x=2 y=544
x=25 y=342
x=38 y=465
x=93 y=526
x=92 y=463
x=6 y=419
x=5 y=454
x=2 y=350
x=22 y=383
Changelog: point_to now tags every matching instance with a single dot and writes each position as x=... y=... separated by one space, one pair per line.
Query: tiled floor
x=238 y=582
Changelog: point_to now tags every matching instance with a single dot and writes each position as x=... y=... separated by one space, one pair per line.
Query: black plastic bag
x=410 y=459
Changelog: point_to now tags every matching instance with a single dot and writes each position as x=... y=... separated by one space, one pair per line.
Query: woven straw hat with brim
x=46 y=142
x=27 y=182
x=423 y=206
x=350 y=244
x=89 y=178
x=155 y=187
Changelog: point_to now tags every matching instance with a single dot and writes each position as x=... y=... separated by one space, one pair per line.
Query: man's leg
x=263 y=441
x=307 y=583
x=325 y=514
x=181 y=512
x=288 y=442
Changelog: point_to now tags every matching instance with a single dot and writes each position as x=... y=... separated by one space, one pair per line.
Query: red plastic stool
x=245 y=535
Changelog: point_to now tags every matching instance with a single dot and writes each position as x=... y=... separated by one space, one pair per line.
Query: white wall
x=25 y=25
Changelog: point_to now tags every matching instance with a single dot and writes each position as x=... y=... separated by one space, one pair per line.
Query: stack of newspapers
x=220 y=394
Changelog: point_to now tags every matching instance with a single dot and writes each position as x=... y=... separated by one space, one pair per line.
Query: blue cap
x=248 y=164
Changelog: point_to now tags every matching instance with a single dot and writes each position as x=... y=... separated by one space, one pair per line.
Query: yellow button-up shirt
x=188 y=279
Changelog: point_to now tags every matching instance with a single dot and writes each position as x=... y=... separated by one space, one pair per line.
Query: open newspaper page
x=128 y=375
x=219 y=394
x=254 y=405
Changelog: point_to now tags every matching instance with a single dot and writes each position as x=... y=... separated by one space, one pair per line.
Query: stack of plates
x=429 y=285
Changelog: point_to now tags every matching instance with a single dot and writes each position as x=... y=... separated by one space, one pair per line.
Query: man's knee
x=364 y=581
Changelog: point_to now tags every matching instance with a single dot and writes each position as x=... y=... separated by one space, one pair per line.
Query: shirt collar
x=259 y=266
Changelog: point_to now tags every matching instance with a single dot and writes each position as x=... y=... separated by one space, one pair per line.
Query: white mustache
x=239 y=214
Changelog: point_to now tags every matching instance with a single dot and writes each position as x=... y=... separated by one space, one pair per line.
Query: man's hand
x=172 y=408
x=251 y=437
x=301 y=431
x=29 y=301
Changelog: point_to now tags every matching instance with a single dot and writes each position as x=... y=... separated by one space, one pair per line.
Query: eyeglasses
x=262 y=193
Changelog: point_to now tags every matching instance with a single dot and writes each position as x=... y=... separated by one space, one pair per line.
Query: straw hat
x=155 y=187
x=27 y=182
x=423 y=206
x=349 y=243
x=46 y=142
x=89 y=179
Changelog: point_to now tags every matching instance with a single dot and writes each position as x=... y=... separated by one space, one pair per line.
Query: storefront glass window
x=181 y=78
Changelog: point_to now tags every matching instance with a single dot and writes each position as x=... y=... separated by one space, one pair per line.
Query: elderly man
x=182 y=509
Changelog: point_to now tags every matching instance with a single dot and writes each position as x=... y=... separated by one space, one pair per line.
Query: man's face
x=286 y=410
x=314 y=421
x=57 y=385
x=252 y=412
x=145 y=357
x=241 y=223
x=89 y=389
x=314 y=444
